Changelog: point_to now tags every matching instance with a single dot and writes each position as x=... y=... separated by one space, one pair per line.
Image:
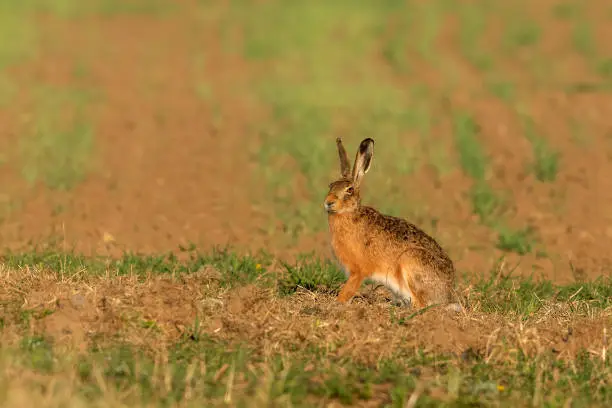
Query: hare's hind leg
x=417 y=277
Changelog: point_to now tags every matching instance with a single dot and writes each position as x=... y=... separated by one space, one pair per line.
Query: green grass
x=525 y=297
x=395 y=49
x=471 y=155
x=57 y=142
x=583 y=40
x=579 y=134
x=430 y=20
x=240 y=376
x=76 y=8
x=314 y=91
x=486 y=203
x=18 y=44
x=504 y=90
x=518 y=241
x=308 y=272
x=57 y=146
x=236 y=269
x=521 y=32
x=18 y=37
x=311 y=274
x=19 y=34
x=604 y=68
x=198 y=369
x=546 y=161
x=473 y=19
x=567 y=10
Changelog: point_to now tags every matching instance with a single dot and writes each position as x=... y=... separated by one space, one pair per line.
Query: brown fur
x=387 y=249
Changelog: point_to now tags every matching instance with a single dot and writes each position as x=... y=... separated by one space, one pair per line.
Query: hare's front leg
x=350 y=287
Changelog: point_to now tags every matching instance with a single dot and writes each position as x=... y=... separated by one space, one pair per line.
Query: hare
x=383 y=248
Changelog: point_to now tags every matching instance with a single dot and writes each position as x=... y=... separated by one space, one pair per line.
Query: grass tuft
x=503 y=90
x=583 y=40
x=519 y=241
x=471 y=155
x=486 y=203
x=311 y=274
x=521 y=33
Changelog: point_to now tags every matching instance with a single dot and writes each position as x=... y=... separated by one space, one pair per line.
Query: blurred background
x=147 y=124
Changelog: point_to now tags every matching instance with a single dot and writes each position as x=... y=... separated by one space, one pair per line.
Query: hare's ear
x=345 y=167
x=363 y=160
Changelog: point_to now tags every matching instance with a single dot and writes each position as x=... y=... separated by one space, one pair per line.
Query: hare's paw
x=401 y=301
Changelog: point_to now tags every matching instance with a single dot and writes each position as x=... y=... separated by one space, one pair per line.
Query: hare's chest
x=348 y=252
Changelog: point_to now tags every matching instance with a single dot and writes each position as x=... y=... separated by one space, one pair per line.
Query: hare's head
x=343 y=195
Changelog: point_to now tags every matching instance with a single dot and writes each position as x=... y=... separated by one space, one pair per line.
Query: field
x=163 y=166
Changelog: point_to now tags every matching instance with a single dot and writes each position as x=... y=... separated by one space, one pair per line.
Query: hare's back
x=401 y=233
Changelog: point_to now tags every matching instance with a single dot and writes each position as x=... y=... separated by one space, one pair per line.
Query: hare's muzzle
x=329 y=206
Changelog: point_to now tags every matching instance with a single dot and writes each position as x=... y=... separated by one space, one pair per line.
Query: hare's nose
x=328 y=204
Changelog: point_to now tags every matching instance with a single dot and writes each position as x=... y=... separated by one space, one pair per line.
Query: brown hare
x=383 y=248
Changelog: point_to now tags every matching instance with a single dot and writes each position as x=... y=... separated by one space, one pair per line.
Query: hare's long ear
x=363 y=160
x=345 y=167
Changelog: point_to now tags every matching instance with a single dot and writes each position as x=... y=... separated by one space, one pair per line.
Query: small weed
x=604 y=68
x=503 y=90
x=583 y=41
x=486 y=203
x=547 y=162
x=80 y=71
x=521 y=33
x=519 y=241
x=566 y=10
x=546 y=158
x=580 y=135
x=472 y=158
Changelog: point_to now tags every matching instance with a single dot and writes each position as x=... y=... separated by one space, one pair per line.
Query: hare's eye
x=349 y=190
